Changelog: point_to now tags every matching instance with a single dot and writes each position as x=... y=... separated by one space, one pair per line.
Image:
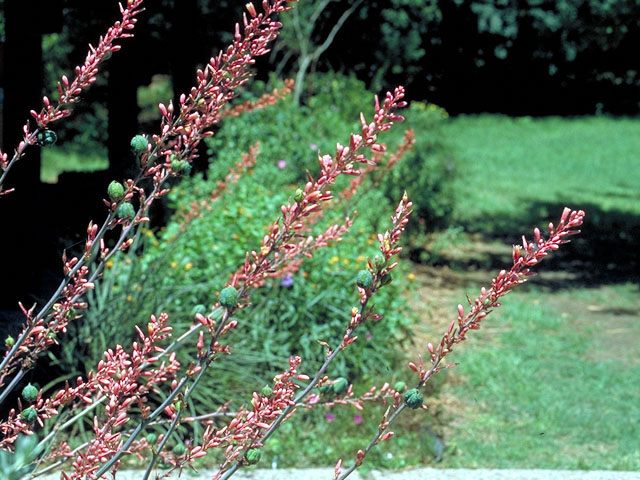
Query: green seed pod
x=115 y=191
x=364 y=279
x=152 y=438
x=266 y=391
x=326 y=389
x=379 y=261
x=180 y=166
x=298 y=196
x=399 y=386
x=46 y=138
x=229 y=297
x=139 y=145
x=201 y=309
x=125 y=210
x=9 y=341
x=253 y=456
x=413 y=398
x=179 y=449
x=29 y=393
x=386 y=279
x=340 y=385
x=29 y=414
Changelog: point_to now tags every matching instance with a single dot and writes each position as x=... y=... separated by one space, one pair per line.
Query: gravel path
x=415 y=474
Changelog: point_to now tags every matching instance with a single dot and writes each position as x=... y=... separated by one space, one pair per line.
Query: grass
x=58 y=160
x=506 y=165
x=551 y=383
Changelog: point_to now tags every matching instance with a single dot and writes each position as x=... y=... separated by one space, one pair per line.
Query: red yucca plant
x=116 y=392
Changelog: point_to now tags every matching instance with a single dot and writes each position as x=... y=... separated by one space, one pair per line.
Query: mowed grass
x=552 y=381
x=58 y=160
x=508 y=166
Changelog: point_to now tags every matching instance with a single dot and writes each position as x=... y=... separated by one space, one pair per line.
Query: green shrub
x=179 y=270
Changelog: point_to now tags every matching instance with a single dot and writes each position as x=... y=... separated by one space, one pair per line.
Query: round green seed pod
x=229 y=297
x=379 y=261
x=9 y=341
x=253 y=456
x=125 y=210
x=152 y=438
x=180 y=166
x=364 y=279
x=340 y=385
x=266 y=391
x=46 y=138
x=29 y=414
x=29 y=393
x=326 y=389
x=115 y=191
x=201 y=309
x=399 y=386
x=386 y=279
x=139 y=145
x=179 y=449
x=298 y=196
x=413 y=398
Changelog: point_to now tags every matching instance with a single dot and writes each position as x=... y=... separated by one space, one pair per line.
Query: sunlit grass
x=548 y=385
x=58 y=160
x=504 y=164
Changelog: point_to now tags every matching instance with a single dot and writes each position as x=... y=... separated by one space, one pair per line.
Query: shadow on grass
x=606 y=252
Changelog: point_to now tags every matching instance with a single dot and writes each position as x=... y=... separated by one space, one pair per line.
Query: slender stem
x=164 y=441
x=316 y=378
x=376 y=438
x=12 y=385
x=373 y=442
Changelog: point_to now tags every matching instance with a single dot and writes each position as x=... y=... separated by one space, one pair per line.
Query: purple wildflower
x=287 y=280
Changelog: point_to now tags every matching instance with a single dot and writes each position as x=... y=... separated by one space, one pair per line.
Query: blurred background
x=519 y=108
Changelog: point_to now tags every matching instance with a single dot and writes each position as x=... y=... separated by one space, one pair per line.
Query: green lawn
x=58 y=160
x=551 y=382
x=514 y=167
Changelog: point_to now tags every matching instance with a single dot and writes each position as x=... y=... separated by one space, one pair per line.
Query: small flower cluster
x=246 y=429
x=407 y=143
x=124 y=379
x=268 y=99
x=524 y=256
